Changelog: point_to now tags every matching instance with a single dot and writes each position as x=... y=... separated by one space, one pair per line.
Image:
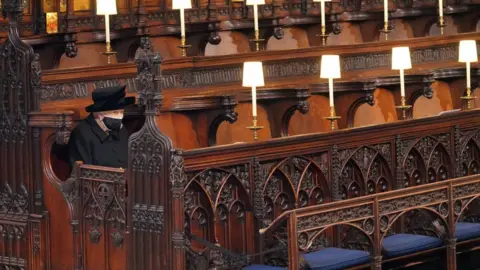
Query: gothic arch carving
x=199 y=213
x=365 y=171
x=470 y=158
x=294 y=182
x=427 y=160
x=414 y=169
x=469 y=155
x=439 y=165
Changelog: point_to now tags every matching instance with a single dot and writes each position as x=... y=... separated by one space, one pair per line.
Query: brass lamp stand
x=257 y=40
x=332 y=118
x=109 y=52
x=441 y=24
x=253 y=77
x=255 y=128
x=181 y=5
x=324 y=35
x=385 y=30
x=468 y=98
x=183 y=46
x=404 y=107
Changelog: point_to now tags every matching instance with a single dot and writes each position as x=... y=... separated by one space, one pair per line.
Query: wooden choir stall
x=379 y=170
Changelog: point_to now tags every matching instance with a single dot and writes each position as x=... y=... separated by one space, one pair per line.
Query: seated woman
x=101 y=139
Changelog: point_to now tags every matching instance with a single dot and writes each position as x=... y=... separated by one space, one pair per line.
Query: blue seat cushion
x=466 y=230
x=403 y=244
x=263 y=267
x=336 y=258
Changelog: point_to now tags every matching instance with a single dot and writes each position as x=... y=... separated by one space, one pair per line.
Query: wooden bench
x=444 y=204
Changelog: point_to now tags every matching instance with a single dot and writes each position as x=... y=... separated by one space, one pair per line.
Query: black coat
x=90 y=144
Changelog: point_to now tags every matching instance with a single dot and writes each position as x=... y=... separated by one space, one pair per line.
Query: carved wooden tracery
x=293 y=183
x=21 y=190
x=218 y=209
x=154 y=163
x=469 y=155
x=366 y=170
x=427 y=160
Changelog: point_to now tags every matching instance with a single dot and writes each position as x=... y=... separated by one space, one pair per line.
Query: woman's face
x=116 y=114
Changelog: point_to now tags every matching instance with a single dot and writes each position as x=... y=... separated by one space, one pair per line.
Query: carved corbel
x=337 y=28
x=70 y=46
x=214 y=38
x=368 y=99
x=228 y=115
x=302 y=106
x=278 y=32
x=359 y=92
x=425 y=89
x=218 y=108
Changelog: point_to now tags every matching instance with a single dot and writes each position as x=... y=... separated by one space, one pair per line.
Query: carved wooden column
x=20 y=179
x=141 y=17
x=451 y=235
x=155 y=182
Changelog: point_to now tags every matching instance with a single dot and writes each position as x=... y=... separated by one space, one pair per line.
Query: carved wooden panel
x=469 y=155
x=216 y=203
x=103 y=218
x=293 y=183
x=21 y=189
x=366 y=170
x=426 y=160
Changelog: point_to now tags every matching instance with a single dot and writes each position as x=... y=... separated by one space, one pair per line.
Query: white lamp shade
x=255 y=2
x=401 y=58
x=253 y=74
x=330 y=67
x=106 y=7
x=467 y=51
x=182 y=4
x=322 y=0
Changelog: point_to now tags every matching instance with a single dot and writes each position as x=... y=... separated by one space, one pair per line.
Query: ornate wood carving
x=426 y=160
x=259 y=179
x=424 y=210
x=153 y=162
x=62 y=91
x=366 y=170
x=97 y=204
x=21 y=186
x=302 y=66
x=294 y=182
x=216 y=202
x=468 y=159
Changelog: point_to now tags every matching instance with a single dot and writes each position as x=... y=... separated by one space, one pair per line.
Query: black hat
x=109 y=99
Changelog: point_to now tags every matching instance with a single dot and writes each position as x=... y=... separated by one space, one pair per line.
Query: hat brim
x=108 y=106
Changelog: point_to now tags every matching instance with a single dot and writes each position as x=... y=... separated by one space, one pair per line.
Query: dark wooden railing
x=375 y=215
